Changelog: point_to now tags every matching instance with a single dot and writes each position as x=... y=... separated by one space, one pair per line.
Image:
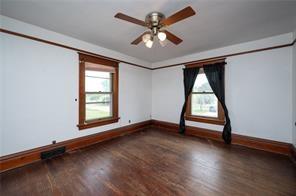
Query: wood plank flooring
x=155 y=162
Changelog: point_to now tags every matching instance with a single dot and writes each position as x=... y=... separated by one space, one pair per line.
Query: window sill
x=205 y=120
x=97 y=123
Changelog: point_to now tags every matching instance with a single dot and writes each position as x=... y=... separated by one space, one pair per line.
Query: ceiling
x=217 y=23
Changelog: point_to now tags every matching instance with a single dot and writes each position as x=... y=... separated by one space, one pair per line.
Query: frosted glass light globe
x=146 y=37
x=161 y=36
x=149 y=43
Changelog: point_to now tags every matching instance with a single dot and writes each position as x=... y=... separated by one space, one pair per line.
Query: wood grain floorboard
x=155 y=162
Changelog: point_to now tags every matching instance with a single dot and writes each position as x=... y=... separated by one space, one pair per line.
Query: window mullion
x=202 y=93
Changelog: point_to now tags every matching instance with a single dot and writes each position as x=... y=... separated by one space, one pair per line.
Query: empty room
x=137 y=97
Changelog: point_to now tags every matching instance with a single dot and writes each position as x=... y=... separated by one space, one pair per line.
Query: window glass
x=203 y=101
x=204 y=105
x=201 y=84
x=97 y=97
x=97 y=81
x=98 y=111
x=98 y=94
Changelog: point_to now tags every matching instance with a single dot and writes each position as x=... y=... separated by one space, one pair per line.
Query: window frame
x=220 y=120
x=83 y=123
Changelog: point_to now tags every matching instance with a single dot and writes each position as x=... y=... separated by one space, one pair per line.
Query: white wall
x=258 y=93
x=35 y=31
x=252 y=45
x=40 y=85
x=294 y=91
x=1 y=90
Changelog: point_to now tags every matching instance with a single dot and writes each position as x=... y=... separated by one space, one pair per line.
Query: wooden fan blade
x=180 y=15
x=173 y=38
x=130 y=19
x=139 y=39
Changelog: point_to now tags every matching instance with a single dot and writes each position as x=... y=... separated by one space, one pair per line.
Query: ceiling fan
x=156 y=23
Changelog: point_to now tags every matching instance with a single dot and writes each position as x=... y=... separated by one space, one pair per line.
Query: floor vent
x=53 y=152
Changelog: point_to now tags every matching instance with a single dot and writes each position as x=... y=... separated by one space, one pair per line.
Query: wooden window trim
x=220 y=120
x=83 y=124
x=201 y=64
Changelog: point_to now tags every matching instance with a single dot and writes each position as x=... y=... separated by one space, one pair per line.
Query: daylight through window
x=98 y=95
x=203 y=100
x=203 y=105
x=98 y=92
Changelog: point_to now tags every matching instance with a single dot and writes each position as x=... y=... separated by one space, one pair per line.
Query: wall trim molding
x=69 y=47
x=241 y=140
x=137 y=65
x=225 y=56
x=23 y=158
x=293 y=152
x=29 y=156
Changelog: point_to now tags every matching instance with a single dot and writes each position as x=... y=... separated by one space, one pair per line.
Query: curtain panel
x=189 y=76
x=215 y=75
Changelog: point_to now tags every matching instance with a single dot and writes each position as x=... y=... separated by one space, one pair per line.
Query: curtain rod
x=205 y=62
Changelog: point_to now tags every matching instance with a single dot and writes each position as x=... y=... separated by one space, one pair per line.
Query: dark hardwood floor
x=154 y=162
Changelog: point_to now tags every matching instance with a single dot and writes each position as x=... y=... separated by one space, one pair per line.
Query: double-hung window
x=203 y=105
x=98 y=91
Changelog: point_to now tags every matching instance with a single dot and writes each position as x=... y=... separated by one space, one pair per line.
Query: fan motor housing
x=153 y=19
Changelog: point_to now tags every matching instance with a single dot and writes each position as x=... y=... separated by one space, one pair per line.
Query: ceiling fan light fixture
x=146 y=37
x=161 y=36
x=163 y=43
x=156 y=21
x=149 y=43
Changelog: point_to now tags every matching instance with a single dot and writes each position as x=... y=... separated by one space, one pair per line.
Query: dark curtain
x=215 y=75
x=189 y=76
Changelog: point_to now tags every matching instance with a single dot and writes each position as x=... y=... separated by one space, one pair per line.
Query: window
x=98 y=95
x=98 y=91
x=203 y=106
